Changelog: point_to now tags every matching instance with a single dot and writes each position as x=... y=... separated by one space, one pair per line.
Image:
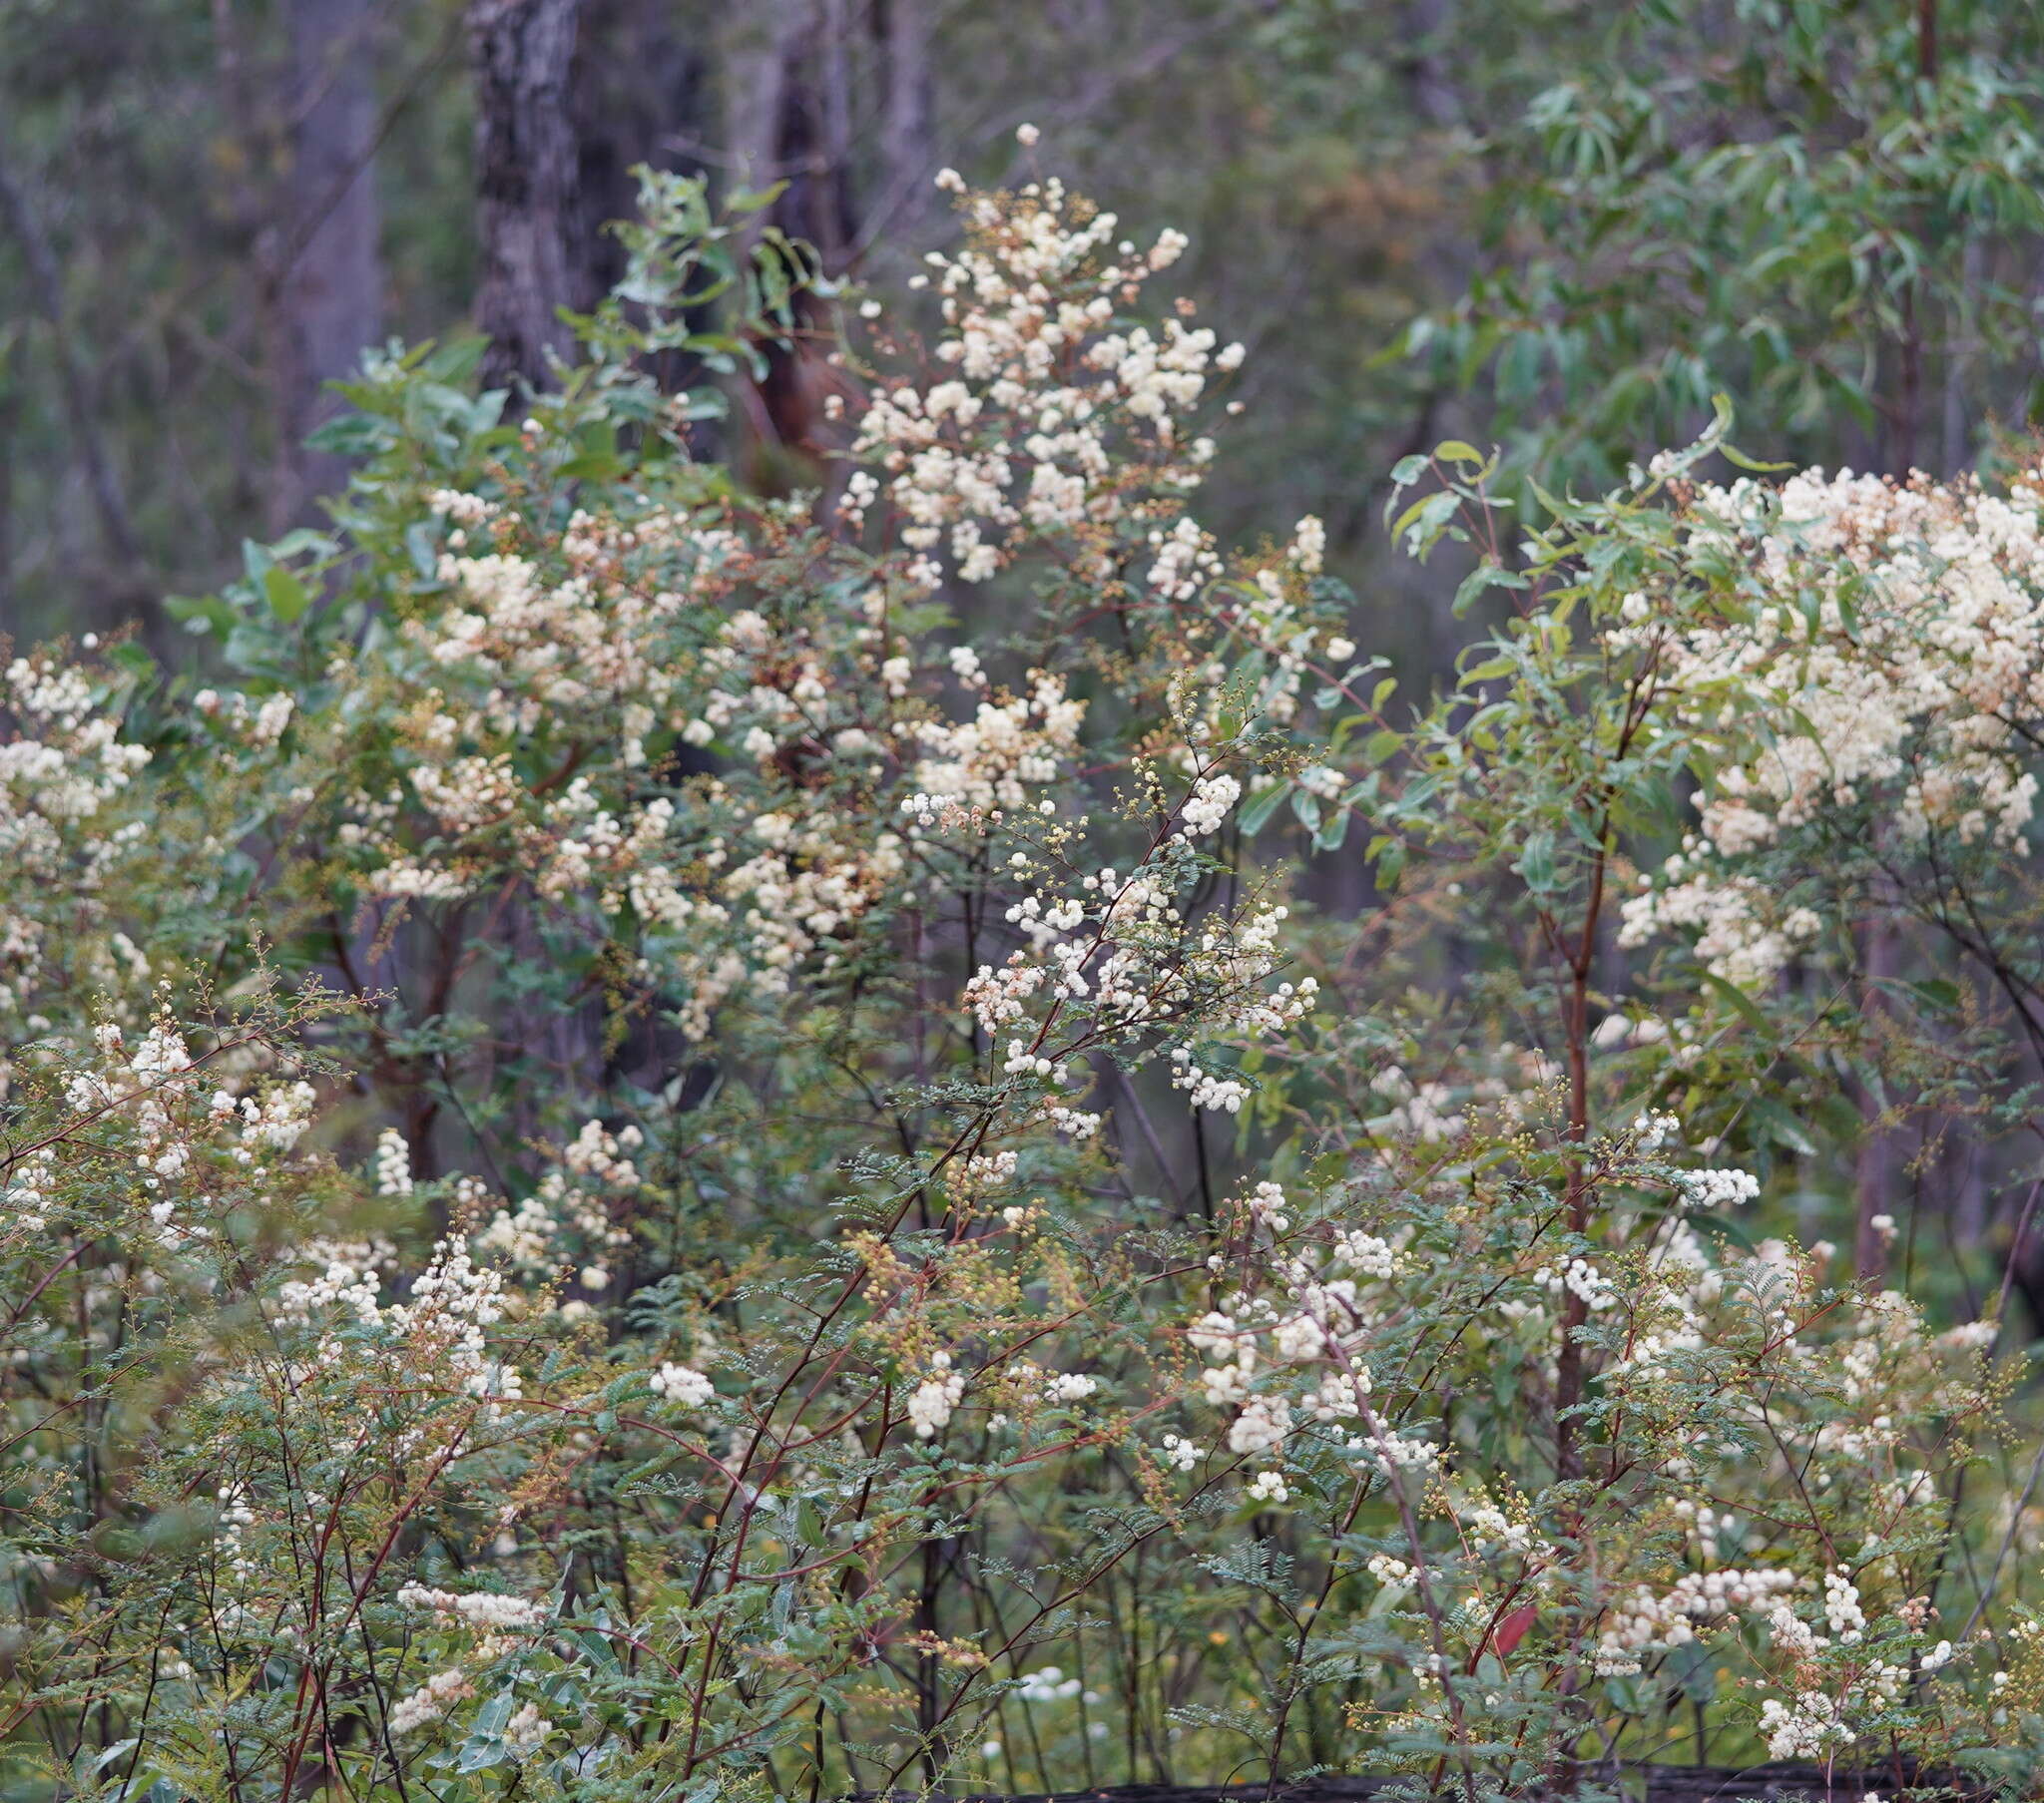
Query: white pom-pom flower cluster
x=1897 y=655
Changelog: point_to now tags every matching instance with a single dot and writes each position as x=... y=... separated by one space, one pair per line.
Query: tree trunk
x=908 y=131
x=638 y=96
x=10 y=419
x=790 y=124
x=333 y=285
x=527 y=165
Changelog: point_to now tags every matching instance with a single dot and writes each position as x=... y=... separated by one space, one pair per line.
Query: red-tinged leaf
x=1512 y=1629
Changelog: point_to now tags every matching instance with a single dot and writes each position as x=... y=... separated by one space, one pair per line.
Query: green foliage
x=639 y=1166
x=1827 y=210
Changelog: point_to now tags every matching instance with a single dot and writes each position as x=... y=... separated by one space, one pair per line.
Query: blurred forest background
x=1553 y=225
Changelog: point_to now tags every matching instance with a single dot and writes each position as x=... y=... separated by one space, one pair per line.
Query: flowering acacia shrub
x=1891 y=646
x=687 y=1143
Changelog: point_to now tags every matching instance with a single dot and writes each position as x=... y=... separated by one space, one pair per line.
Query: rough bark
x=522 y=53
x=333 y=290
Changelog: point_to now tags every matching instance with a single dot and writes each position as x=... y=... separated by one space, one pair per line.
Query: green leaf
x=1380 y=746
x=1457 y=450
x=593 y=466
x=1939 y=993
x=1783 y=1127
x=1626 y=1696
x=302 y=541
x=1490 y=670
x=422 y=540
x=133 y=659
x=201 y=614
x=808 y=1521
x=1536 y=863
x=1718 y=1226
x=754 y=199
x=479 y=1754
x=286 y=595
x=484 y=1746
x=1420 y=525
x=350 y=435
x=1256 y=815
x=1693 y=1667
x=1486 y=574
x=110 y=1755
x=1742 y=1004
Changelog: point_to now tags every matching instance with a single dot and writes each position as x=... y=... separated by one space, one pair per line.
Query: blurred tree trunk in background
x=640 y=95
x=331 y=281
x=787 y=122
x=908 y=153
x=10 y=415
x=46 y=287
x=644 y=93
x=529 y=221
x=810 y=81
x=527 y=169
